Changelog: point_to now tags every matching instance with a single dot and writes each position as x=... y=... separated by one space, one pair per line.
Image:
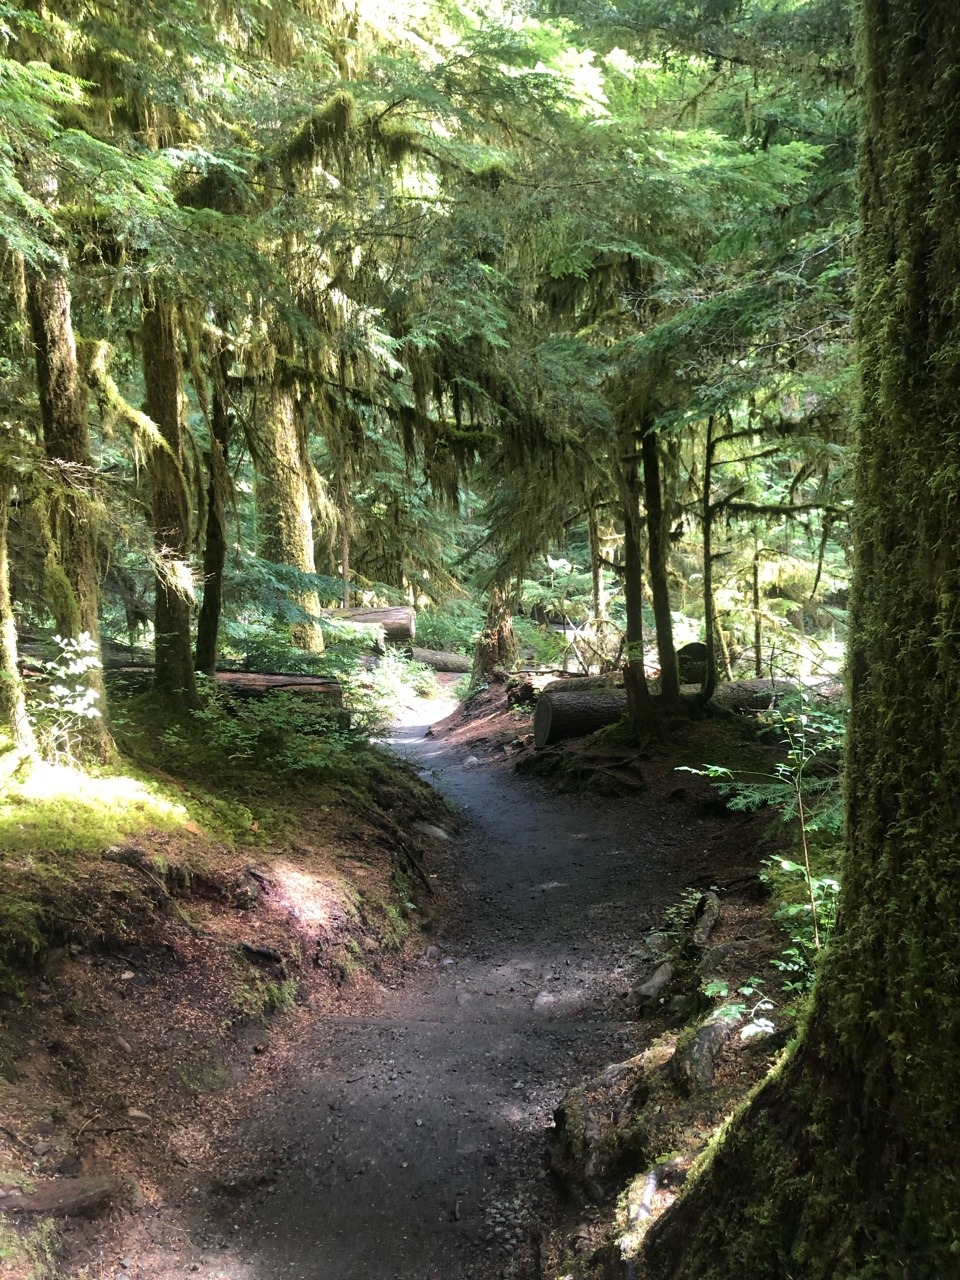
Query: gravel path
x=412 y=1149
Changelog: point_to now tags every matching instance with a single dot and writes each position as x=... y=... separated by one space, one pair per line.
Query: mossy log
x=399 y=623
x=441 y=661
x=561 y=714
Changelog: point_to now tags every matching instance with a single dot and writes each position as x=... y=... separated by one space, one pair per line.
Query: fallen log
x=561 y=714
x=398 y=623
x=440 y=660
x=255 y=684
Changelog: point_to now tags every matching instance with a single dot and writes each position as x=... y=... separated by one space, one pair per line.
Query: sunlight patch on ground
x=310 y=900
x=60 y=807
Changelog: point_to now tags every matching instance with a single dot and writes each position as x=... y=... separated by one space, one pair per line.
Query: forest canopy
x=545 y=309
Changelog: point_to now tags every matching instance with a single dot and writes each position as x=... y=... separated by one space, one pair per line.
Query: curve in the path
x=412 y=1151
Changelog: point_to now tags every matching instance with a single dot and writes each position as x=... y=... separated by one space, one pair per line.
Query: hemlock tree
x=846 y=1163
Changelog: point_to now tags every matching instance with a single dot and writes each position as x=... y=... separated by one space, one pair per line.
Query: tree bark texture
x=284 y=509
x=13 y=705
x=497 y=646
x=70 y=511
x=658 y=548
x=560 y=714
x=709 y=610
x=848 y=1163
x=175 y=679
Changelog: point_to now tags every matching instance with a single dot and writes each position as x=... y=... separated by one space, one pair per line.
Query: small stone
x=42 y=1148
x=432 y=953
x=134 y=1114
x=428 y=829
x=470 y=762
x=127 y=975
x=124 y=1044
x=654 y=987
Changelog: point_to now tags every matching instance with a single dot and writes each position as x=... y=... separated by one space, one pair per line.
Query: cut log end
x=561 y=714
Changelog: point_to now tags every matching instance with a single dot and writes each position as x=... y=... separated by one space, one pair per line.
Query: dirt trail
x=411 y=1147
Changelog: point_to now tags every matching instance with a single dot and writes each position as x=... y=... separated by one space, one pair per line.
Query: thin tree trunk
x=658 y=544
x=757 y=620
x=709 y=612
x=70 y=512
x=13 y=705
x=596 y=568
x=215 y=547
x=174 y=670
x=846 y=1163
x=345 y=566
x=639 y=702
x=285 y=517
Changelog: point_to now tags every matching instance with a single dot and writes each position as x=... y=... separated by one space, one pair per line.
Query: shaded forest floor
x=273 y=1075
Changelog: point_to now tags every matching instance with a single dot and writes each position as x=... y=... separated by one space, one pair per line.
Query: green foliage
x=66 y=701
x=453 y=627
x=280 y=733
x=811 y=737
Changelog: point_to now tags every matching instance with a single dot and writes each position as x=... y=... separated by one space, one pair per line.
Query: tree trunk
x=215 y=547
x=596 y=569
x=13 y=705
x=847 y=1164
x=658 y=545
x=497 y=646
x=284 y=509
x=71 y=515
x=561 y=714
x=709 y=611
x=634 y=673
x=757 y=619
x=175 y=680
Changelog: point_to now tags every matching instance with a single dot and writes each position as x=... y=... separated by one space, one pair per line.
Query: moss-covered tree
x=174 y=671
x=846 y=1163
x=70 y=512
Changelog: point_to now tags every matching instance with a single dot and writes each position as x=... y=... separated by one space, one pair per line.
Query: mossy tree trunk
x=174 y=675
x=70 y=511
x=215 y=546
x=13 y=705
x=658 y=549
x=284 y=506
x=848 y=1163
x=497 y=646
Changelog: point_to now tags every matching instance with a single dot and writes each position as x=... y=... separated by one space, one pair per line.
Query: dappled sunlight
x=311 y=900
x=65 y=808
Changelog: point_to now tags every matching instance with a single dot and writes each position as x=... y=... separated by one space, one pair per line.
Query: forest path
x=410 y=1148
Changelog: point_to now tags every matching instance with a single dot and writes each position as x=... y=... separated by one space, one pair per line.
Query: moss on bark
x=847 y=1164
x=68 y=507
x=174 y=670
x=284 y=508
